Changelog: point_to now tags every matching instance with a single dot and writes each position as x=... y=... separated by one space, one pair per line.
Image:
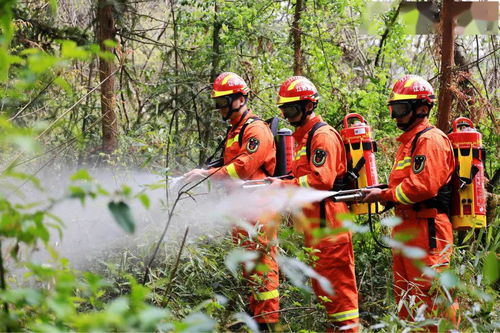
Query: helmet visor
x=400 y=109
x=222 y=102
x=291 y=111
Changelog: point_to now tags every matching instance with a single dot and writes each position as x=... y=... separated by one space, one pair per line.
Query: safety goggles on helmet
x=291 y=110
x=223 y=102
x=400 y=109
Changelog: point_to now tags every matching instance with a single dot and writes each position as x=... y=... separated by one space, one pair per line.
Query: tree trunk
x=297 y=39
x=447 y=52
x=107 y=31
x=215 y=43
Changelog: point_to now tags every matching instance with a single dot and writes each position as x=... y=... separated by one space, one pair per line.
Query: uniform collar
x=406 y=136
x=302 y=130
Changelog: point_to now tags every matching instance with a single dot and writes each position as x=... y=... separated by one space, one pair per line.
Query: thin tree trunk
x=297 y=38
x=447 y=52
x=107 y=31
x=388 y=28
x=215 y=43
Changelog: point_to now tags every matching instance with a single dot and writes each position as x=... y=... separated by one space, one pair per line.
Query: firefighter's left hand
x=275 y=182
x=195 y=174
x=372 y=195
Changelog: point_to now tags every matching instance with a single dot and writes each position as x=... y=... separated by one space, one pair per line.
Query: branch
x=386 y=33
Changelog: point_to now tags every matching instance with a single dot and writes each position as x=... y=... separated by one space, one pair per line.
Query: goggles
x=291 y=110
x=223 y=102
x=401 y=108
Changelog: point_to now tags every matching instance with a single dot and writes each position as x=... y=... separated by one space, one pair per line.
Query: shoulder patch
x=319 y=157
x=252 y=145
x=418 y=163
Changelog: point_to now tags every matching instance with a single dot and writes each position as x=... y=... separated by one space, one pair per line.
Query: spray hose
x=372 y=231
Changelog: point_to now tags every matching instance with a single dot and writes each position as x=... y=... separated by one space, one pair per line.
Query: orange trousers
x=411 y=287
x=264 y=301
x=336 y=263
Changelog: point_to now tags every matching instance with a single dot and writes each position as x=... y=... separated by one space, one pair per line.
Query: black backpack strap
x=310 y=137
x=273 y=124
x=322 y=213
x=244 y=127
x=414 y=142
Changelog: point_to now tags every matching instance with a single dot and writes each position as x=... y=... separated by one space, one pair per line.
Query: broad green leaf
x=110 y=43
x=122 y=215
x=64 y=84
x=70 y=50
x=491 y=268
x=146 y=202
x=81 y=174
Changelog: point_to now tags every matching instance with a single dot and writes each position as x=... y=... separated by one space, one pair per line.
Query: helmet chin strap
x=231 y=111
x=302 y=119
x=411 y=121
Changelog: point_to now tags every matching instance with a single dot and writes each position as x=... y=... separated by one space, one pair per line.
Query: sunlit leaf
x=144 y=200
x=491 y=268
x=81 y=174
x=64 y=84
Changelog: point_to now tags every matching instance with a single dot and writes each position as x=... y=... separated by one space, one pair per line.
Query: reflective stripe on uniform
x=303 y=181
x=300 y=153
x=231 y=171
x=230 y=142
x=264 y=296
x=403 y=163
x=345 y=315
x=401 y=196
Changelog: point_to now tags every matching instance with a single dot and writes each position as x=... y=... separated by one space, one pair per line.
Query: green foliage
x=167 y=124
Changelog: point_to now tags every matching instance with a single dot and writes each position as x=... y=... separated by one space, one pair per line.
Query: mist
x=210 y=210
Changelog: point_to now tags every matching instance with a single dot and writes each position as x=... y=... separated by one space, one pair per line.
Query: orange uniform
x=415 y=178
x=335 y=259
x=255 y=159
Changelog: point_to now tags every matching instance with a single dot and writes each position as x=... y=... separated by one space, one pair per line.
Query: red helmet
x=412 y=87
x=229 y=83
x=297 y=88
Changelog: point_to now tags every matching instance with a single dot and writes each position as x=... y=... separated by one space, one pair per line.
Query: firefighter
x=251 y=157
x=418 y=185
x=320 y=169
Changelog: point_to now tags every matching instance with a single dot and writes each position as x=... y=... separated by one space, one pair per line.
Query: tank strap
x=431 y=228
x=242 y=132
x=417 y=136
x=244 y=127
x=310 y=137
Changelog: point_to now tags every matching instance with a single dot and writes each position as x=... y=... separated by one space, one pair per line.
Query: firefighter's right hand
x=195 y=174
x=372 y=195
